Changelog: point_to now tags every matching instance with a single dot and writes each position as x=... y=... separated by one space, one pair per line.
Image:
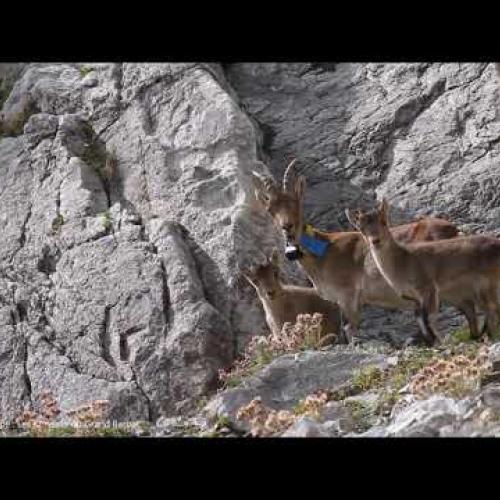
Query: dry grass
x=15 y=126
x=457 y=376
x=266 y=422
x=86 y=420
x=305 y=334
x=312 y=405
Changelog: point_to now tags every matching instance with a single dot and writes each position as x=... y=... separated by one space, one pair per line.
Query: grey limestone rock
x=127 y=209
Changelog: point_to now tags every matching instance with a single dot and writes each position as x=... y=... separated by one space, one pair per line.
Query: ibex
x=282 y=303
x=458 y=270
x=339 y=263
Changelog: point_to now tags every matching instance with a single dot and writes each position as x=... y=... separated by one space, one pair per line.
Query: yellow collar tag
x=309 y=230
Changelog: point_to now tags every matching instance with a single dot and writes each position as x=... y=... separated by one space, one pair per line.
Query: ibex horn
x=287 y=174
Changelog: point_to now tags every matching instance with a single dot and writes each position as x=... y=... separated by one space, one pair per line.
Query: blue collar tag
x=313 y=245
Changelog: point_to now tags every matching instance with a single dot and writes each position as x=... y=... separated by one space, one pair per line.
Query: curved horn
x=287 y=175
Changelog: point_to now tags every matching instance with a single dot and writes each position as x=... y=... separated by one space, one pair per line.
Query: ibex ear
x=262 y=190
x=263 y=197
x=383 y=210
x=353 y=217
x=300 y=186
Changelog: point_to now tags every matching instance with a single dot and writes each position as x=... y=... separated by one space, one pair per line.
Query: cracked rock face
x=116 y=282
x=127 y=209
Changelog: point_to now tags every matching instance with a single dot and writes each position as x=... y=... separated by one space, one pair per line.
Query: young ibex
x=339 y=263
x=458 y=270
x=282 y=303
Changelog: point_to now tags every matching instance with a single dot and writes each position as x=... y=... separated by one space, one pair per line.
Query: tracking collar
x=308 y=241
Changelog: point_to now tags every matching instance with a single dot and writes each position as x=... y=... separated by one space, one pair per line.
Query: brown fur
x=346 y=274
x=458 y=270
x=282 y=303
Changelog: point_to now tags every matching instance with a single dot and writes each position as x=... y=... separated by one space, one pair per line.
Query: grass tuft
x=85 y=70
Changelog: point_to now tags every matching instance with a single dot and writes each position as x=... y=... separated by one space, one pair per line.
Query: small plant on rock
x=57 y=223
x=38 y=423
x=222 y=421
x=362 y=414
x=312 y=405
x=459 y=336
x=15 y=125
x=106 y=220
x=88 y=419
x=457 y=376
x=264 y=421
x=367 y=378
x=304 y=334
x=85 y=70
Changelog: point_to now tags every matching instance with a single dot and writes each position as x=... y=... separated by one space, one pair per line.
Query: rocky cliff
x=127 y=207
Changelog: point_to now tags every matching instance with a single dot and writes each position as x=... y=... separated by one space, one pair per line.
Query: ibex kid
x=282 y=303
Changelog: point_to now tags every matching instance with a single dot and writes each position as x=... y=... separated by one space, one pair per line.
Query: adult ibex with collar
x=339 y=263
x=458 y=270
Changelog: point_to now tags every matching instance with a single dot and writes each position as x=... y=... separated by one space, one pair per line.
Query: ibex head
x=265 y=278
x=284 y=203
x=374 y=224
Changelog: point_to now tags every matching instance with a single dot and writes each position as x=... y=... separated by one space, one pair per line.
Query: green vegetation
x=459 y=336
x=109 y=432
x=387 y=382
x=144 y=427
x=300 y=408
x=85 y=70
x=57 y=223
x=210 y=434
x=94 y=154
x=386 y=400
x=70 y=431
x=67 y=431
x=411 y=363
x=362 y=414
x=15 y=126
x=367 y=378
x=102 y=161
x=463 y=336
x=106 y=220
x=260 y=351
x=460 y=388
x=222 y=421
x=234 y=380
x=201 y=403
